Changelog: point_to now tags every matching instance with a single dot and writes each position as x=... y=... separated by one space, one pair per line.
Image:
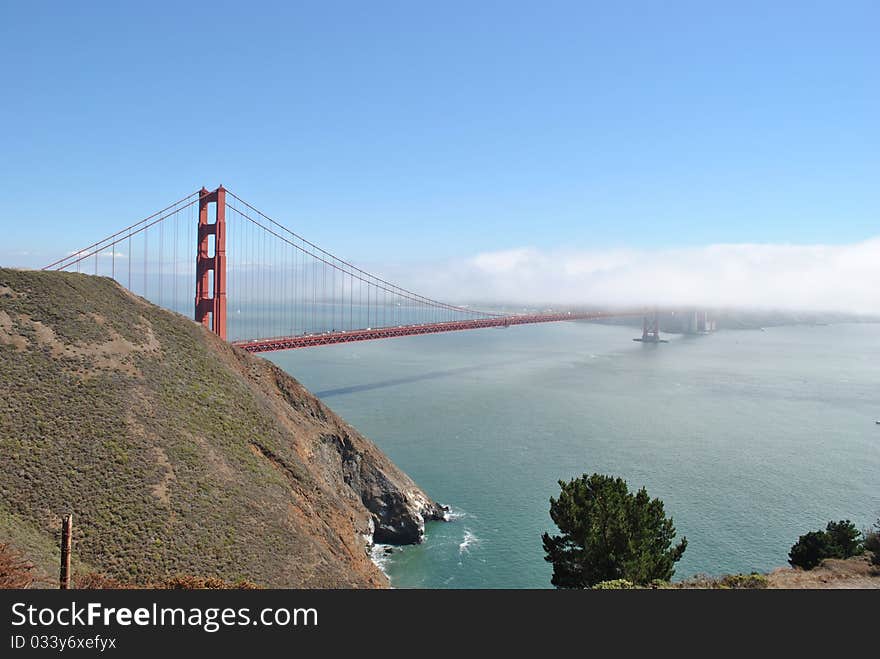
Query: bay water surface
x=750 y=438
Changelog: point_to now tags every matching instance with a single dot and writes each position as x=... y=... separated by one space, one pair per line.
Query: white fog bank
x=778 y=276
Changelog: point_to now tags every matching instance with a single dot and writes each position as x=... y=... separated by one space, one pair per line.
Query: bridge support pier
x=699 y=323
x=651 y=329
x=210 y=302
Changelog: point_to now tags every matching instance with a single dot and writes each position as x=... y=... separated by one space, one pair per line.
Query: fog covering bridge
x=263 y=287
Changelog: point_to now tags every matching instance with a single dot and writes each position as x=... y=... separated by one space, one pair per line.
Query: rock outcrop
x=399 y=508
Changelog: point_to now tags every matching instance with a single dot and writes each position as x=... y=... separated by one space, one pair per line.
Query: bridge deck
x=370 y=333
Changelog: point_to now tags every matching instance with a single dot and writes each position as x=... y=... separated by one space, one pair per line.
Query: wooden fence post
x=66 y=538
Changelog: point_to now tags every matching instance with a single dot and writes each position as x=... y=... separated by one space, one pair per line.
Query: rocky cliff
x=177 y=453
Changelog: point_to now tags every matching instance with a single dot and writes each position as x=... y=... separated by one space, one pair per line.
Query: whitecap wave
x=453 y=514
x=467 y=542
x=380 y=557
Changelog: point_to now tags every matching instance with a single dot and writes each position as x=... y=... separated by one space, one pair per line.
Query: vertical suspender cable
x=146 y=248
x=174 y=301
x=161 y=258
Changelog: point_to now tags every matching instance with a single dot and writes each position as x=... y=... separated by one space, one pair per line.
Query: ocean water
x=750 y=438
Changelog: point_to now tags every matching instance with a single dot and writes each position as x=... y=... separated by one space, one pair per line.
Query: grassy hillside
x=176 y=453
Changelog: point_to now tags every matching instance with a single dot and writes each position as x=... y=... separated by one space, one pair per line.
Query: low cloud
x=777 y=276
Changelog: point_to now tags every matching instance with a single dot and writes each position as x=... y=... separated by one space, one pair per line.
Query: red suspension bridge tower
x=210 y=303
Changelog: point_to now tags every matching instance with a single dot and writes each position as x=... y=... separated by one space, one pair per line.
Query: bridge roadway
x=370 y=333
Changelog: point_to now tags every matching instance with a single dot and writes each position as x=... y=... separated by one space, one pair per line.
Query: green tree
x=839 y=540
x=872 y=542
x=846 y=537
x=811 y=549
x=608 y=533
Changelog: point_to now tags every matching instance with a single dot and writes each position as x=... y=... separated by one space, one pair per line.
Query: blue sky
x=393 y=132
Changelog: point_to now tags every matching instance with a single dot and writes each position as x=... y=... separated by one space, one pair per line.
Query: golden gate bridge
x=263 y=287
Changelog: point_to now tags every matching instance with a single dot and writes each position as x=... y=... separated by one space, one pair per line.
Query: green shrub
x=846 y=537
x=811 y=549
x=659 y=584
x=187 y=582
x=98 y=581
x=872 y=542
x=15 y=571
x=726 y=582
x=839 y=540
x=615 y=584
x=745 y=581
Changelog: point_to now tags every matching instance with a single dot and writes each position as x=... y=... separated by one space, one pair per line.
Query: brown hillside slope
x=177 y=453
x=856 y=572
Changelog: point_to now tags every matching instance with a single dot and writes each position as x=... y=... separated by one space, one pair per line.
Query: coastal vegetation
x=177 y=453
x=839 y=540
x=15 y=570
x=612 y=539
x=609 y=534
x=702 y=582
x=96 y=581
x=872 y=543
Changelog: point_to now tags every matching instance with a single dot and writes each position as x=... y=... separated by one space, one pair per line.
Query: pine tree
x=608 y=533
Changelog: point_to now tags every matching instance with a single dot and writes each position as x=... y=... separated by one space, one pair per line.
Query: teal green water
x=750 y=438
